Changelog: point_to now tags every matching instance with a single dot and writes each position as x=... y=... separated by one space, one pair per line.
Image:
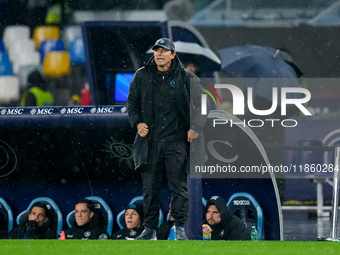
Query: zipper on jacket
x=160 y=107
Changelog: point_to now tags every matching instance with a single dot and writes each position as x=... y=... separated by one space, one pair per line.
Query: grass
x=98 y=247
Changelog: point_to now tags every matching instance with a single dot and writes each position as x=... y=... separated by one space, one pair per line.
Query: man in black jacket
x=222 y=224
x=89 y=223
x=39 y=226
x=165 y=109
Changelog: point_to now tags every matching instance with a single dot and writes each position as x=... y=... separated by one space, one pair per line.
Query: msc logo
x=73 y=110
x=124 y=109
x=241 y=202
x=44 y=111
x=12 y=111
x=102 y=110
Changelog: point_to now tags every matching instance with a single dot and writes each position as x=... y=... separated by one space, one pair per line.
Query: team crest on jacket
x=87 y=233
x=133 y=233
x=173 y=83
x=222 y=233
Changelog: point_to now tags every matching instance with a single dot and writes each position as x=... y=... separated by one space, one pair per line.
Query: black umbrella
x=262 y=63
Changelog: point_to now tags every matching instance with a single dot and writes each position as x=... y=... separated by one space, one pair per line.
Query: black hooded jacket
x=127 y=234
x=30 y=230
x=141 y=102
x=94 y=229
x=231 y=227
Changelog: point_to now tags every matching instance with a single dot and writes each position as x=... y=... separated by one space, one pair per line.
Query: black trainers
x=180 y=233
x=147 y=234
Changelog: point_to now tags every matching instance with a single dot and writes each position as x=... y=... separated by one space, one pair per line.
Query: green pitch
x=99 y=247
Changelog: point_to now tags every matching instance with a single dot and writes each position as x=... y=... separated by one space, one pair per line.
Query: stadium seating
x=26 y=58
x=20 y=47
x=9 y=89
x=5 y=64
x=77 y=52
x=7 y=213
x=70 y=33
x=57 y=64
x=53 y=210
x=104 y=210
x=50 y=45
x=244 y=206
x=42 y=33
x=2 y=46
x=121 y=215
x=23 y=73
x=4 y=58
x=12 y=34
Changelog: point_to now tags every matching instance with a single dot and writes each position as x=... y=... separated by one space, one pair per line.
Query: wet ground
x=303 y=225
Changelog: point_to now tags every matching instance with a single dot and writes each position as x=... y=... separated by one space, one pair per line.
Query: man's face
x=82 y=214
x=132 y=219
x=163 y=58
x=38 y=214
x=213 y=215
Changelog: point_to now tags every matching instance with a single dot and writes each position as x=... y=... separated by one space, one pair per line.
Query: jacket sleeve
x=238 y=230
x=197 y=120
x=17 y=232
x=134 y=105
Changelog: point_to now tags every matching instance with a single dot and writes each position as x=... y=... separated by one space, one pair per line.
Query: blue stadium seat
x=2 y=46
x=6 y=69
x=104 y=209
x=245 y=206
x=7 y=213
x=53 y=210
x=121 y=218
x=5 y=65
x=4 y=58
x=50 y=45
x=77 y=52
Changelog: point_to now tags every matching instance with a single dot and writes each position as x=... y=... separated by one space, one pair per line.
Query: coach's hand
x=143 y=129
x=192 y=135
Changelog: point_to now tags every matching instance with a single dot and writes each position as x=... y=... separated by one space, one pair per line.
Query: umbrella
x=204 y=57
x=260 y=62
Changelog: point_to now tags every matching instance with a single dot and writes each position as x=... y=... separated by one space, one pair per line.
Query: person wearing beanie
x=133 y=220
x=221 y=224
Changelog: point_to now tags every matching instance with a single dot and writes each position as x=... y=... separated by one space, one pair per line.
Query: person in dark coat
x=39 y=225
x=133 y=219
x=36 y=93
x=89 y=223
x=163 y=232
x=222 y=224
x=164 y=106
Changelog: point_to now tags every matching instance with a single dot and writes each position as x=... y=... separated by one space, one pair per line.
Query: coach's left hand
x=192 y=135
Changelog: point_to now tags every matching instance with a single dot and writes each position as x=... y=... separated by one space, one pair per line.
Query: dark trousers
x=173 y=157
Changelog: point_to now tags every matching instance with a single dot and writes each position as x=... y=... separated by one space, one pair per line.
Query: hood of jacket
x=221 y=205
